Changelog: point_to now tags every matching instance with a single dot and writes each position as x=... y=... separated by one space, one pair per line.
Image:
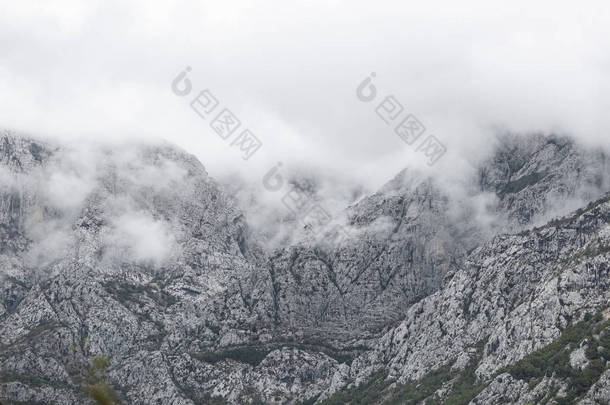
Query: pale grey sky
x=289 y=71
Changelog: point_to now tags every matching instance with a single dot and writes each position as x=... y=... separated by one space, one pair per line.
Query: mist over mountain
x=321 y=202
x=195 y=294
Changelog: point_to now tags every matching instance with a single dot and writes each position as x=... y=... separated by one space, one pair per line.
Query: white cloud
x=289 y=71
x=138 y=236
x=67 y=190
x=51 y=241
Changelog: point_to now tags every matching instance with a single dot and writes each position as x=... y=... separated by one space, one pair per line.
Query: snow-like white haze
x=289 y=71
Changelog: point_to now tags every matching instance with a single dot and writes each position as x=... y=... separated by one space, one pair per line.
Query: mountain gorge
x=495 y=294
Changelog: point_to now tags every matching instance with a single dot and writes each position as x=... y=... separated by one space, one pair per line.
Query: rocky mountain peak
x=136 y=254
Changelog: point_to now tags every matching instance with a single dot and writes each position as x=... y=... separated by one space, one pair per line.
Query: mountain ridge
x=207 y=312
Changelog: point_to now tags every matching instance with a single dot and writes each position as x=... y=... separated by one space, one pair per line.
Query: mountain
x=130 y=269
x=524 y=321
x=413 y=234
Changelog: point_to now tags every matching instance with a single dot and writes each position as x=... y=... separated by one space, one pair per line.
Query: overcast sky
x=289 y=71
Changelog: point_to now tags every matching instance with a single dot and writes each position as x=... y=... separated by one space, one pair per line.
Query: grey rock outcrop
x=412 y=235
x=516 y=294
x=137 y=254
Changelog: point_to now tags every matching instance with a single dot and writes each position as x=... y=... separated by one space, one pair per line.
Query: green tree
x=96 y=386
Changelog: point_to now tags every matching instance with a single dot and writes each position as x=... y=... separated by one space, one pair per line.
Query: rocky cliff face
x=412 y=234
x=135 y=253
x=537 y=178
x=516 y=294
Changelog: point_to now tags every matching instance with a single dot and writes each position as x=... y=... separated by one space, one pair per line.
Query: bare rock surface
x=136 y=254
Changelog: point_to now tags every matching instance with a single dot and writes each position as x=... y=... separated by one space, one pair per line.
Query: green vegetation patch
x=32 y=380
x=253 y=355
x=96 y=386
x=554 y=359
x=521 y=183
x=247 y=355
x=463 y=386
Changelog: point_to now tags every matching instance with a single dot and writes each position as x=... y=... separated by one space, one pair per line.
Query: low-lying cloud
x=101 y=72
x=87 y=184
x=289 y=72
x=138 y=236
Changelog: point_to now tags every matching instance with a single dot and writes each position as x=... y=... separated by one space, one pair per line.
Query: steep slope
x=132 y=254
x=539 y=177
x=136 y=254
x=496 y=317
x=402 y=245
x=412 y=235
